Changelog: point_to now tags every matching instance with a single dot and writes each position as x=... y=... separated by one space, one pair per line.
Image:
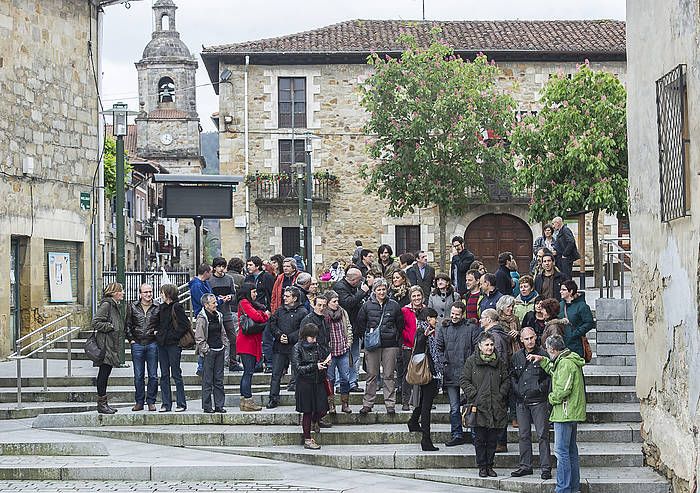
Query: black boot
x=413 y=422
x=427 y=444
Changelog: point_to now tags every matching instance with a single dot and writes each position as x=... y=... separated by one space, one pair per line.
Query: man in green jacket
x=568 y=400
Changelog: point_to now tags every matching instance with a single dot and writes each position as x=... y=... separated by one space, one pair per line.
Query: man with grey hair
x=209 y=336
x=568 y=400
x=303 y=282
x=568 y=253
x=381 y=313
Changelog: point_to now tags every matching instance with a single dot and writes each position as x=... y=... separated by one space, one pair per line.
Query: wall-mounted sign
x=60 y=287
x=85 y=200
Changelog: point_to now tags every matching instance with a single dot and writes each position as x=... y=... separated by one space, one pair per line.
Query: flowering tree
x=428 y=113
x=573 y=154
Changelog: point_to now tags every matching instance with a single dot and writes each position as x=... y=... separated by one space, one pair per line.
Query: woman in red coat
x=249 y=347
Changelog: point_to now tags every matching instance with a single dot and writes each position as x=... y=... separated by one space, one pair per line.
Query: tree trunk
x=442 y=242
x=596 y=247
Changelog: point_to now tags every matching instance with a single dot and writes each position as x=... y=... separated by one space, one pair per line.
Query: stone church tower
x=168 y=125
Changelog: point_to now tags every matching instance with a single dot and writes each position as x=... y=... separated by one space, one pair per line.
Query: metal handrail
x=611 y=253
x=45 y=344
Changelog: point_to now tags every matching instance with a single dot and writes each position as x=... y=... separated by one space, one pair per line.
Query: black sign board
x=212 y=202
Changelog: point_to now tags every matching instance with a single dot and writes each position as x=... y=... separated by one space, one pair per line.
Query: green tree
x=428 y=114
x=573 y=154
x=110 y=166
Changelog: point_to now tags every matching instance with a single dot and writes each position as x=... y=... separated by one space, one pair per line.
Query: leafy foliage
x=110 y=167
x=429 y=110
x=573 y=154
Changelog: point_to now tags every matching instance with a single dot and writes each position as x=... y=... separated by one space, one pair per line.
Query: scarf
x=337 y=333
x=488 y=359
x=509 y=321
x=399 y=292
x=528 y=298
x=436 y=355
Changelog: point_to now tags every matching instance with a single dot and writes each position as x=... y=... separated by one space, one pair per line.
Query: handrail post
x=45 y=353
x=622 y=276
x=601 y=268
x=611 y=271
x=18 y=352
x=68 y=354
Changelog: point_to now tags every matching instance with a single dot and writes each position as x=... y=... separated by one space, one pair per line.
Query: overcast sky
x=214 y=22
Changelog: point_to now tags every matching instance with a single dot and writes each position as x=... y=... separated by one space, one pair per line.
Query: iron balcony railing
x=283 y=188
x=134 y=280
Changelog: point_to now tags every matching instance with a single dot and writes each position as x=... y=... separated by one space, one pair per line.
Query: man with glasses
x=144 y=350
x=461 y=262
x=284 y=327
x=421 y=274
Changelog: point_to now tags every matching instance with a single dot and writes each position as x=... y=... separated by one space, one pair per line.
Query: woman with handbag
x=426 y=345
x=574 y=308
x=311 y=360
x=169 y=324
x=108 y=325
x=486 y=384
x=249 y=345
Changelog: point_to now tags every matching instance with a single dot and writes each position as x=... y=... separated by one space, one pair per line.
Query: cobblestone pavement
x=154 y=486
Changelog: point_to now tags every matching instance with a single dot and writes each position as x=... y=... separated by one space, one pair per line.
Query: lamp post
x=309 y=203
x=120 y=113
x=299 y=167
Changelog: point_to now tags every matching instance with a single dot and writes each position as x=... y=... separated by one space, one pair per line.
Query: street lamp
x=120 y=113
x=299 y=168
x=308 y=140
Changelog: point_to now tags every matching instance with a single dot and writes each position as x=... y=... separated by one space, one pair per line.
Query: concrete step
x=593 y=479
x=287 y=415
x=242 y=435
x=78 y=355
x=410 y=456
x=53 y=448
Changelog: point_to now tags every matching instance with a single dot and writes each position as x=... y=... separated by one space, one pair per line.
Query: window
x=292 y=93
x=672 y=120
x=285 y=155
x=290 y=241
x=407 y=239
x=166 y=90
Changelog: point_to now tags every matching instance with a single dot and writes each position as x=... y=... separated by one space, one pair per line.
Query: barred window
x=672 y=119
x=407 y=239
x=292 y=90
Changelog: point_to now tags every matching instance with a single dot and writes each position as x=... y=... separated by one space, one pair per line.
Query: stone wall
x=665 y=260
x=614 y=332
x=334 y=113
x=48 y=114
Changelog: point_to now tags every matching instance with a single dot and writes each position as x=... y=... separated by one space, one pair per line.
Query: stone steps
x=593 y=479
x=53 y=448
x=242 y=435
x=77 y=354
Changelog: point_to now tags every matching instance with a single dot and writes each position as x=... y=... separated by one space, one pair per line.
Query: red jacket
x=250 y=344
x=408 y=335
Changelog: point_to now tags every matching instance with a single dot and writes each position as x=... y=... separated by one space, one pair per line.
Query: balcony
x=499 y=193
x=280 y=189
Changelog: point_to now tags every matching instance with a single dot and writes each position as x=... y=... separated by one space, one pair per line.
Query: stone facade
x=666 y=254
x=334 y=114
x=48 y=118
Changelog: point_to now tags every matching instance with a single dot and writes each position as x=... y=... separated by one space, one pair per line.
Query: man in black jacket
x=568 y=253
x=548 y=282
x=530 y=384
x=421 y=274
x=381 y=313
x=504 y=281
x=461 y=263
x=352 y=293
x=284 y=327
x=144 y=350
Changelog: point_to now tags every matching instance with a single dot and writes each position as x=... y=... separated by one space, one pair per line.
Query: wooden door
x=491 y=234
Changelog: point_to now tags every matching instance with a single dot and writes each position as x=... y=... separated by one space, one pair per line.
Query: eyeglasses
x=146 y=292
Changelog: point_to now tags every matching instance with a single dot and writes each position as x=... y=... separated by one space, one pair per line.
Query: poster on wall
x=60 y=286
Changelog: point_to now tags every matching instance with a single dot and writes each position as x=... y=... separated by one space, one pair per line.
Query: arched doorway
x=490 y=234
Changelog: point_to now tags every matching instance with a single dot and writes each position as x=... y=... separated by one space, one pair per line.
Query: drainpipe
x=245 y=151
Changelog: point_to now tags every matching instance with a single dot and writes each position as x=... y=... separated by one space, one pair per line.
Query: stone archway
x=490 y=234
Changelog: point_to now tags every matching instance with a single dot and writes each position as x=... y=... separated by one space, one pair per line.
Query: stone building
x=319 y=72
x=167 y=126
x=48 y=158
x=664 y=159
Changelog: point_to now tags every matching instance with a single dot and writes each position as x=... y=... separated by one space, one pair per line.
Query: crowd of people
x=507 y=347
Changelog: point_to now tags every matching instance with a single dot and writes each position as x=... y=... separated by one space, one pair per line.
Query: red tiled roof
x=583 y=36
x=129 y=138
x=167 y=114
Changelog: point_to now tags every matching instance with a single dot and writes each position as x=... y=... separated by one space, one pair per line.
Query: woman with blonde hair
x=108 y=325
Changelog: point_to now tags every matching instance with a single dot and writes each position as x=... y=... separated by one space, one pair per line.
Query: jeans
x=169 y=359
x=403 y=386
x=355 y=367
x=566 y=450
x=200 y=364
x=342 y=364
x=537 y=414
x=267 y=342
x=485 y=445
x=142 y=357
x=213 y=380
x=280 y=363
x=248 y=361
x=230 y=347
x=453 y=393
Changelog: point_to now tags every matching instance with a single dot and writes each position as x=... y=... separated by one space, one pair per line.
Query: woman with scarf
x=408 y=336
x=249 y=346
x=525 y=301
x=340 y=338
x=399 y=288
x=442 y=297
x=510 y=323
x=426 y=344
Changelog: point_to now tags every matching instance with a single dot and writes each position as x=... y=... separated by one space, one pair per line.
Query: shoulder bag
x=418 y=371
x=587 y=351
x=373 y=339
x=248 y=326
x=93 y=350
x=187 y=339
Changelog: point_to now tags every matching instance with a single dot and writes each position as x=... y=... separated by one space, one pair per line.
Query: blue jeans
x=455 y=414
x=142 y=356
x=566 y=451
x=267 y=342
x=248 y=361
x=342 y=364
x=200 y=364
x=355 y=367
x=169 y=359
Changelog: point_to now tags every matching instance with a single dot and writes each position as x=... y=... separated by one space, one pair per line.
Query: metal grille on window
x=671 y=100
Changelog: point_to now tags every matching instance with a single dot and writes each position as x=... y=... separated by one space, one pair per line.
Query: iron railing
x=282 y=187
x=616 y=261
x=672 y=128
x=499 y=193
x=44 y=339
x=135 y=279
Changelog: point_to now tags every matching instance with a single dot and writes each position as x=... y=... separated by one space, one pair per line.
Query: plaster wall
x=660 y=35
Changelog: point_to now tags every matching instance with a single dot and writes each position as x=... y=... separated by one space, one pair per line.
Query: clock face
x=166 y=139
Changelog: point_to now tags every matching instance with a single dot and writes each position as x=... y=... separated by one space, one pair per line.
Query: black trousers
x=422 y=411
x=280 y=363
x=102 y=377
x=485 y=444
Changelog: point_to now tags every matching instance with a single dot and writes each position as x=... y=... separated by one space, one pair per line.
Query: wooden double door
x=491 y=234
